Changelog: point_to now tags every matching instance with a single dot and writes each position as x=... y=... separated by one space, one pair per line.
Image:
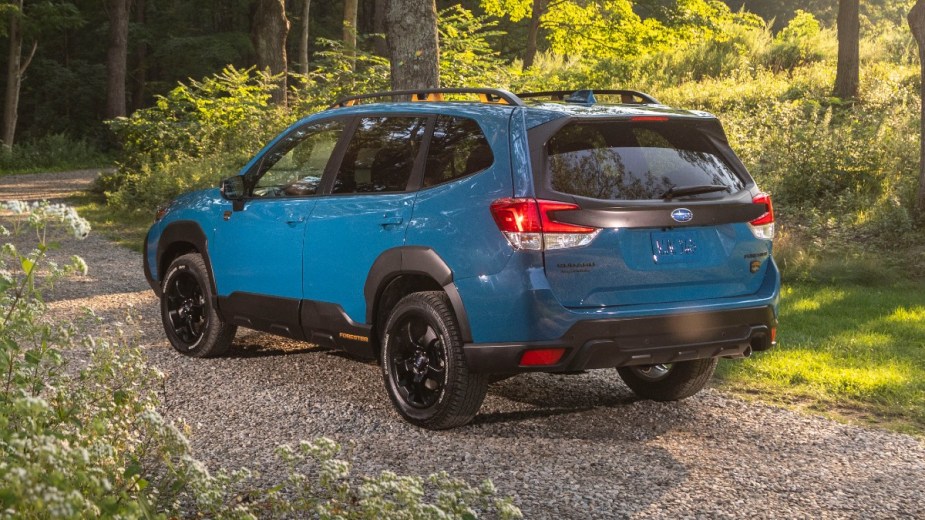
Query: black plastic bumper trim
x=612 y=343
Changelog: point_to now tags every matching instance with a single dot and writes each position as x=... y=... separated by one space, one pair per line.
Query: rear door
x=672 y=209
x=366 y=212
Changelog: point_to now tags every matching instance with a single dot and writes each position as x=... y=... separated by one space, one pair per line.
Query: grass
x=849 y=351
x=125 y=228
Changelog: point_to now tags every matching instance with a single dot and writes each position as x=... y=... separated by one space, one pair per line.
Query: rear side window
x=633 y=160
x=458 y=148
x=380 y=156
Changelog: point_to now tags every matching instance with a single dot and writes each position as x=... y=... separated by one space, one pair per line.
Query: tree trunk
x=411 y=32
x=539 y=9
x=350 y=30
x=303 y=37
x=140 y=76
x=382 y=47
x=917 y=24
x=13 y=79
x=116 y=58
x=849 y=29
x=269 y=29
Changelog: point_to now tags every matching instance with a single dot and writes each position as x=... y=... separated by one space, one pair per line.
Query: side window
x=295 y=166
x=458 y=148
x=380 y=156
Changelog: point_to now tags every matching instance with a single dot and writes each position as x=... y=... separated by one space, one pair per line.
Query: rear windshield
x=634 y=160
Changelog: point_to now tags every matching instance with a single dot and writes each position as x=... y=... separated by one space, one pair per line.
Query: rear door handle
x=293 y=220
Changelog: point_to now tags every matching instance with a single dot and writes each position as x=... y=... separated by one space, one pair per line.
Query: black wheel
x=670 y=381
x=191 y=323
x=424 y=367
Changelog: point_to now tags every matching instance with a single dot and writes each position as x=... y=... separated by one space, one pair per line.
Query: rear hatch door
x=672 y=204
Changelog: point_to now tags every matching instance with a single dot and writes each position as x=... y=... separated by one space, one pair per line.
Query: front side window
x=634 y=160
x=295 y=166
x=458 y=148
x=380 y=156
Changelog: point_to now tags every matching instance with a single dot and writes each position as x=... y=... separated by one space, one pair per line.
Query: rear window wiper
x=674 y=191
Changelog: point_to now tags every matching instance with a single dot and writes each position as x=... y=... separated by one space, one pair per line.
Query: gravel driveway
x=563 y=446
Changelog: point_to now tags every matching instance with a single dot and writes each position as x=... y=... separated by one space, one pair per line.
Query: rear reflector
x=527 y=224
x=541 y=357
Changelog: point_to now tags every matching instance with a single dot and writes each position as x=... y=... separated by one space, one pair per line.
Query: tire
x=668 y=382
x=192 y=325
x=424 y=366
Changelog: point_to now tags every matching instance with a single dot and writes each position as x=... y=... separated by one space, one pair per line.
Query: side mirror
x=233 y=188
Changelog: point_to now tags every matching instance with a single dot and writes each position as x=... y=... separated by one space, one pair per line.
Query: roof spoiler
x=587 y=96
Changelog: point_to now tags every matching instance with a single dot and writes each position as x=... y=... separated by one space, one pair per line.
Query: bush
x=192 y=137
x=81 y=437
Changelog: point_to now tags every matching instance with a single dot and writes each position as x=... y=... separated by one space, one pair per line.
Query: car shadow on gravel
x=592 y=406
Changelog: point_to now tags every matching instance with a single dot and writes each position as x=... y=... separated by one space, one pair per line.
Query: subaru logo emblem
x=682 y=215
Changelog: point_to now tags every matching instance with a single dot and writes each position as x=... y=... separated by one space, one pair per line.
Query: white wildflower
x=16 y=206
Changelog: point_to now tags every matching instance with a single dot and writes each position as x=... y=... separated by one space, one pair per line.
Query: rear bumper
x=617 y=342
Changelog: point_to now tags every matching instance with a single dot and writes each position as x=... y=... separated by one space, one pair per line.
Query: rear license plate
x=673 y=247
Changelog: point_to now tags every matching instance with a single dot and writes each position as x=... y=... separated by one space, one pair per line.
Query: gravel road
x=563 y=446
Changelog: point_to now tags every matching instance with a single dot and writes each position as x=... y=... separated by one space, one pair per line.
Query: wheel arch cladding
x=179 y=238
x=402 y=270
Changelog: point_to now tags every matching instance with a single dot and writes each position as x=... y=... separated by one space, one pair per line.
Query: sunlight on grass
x=827 y=373
x=852 y=347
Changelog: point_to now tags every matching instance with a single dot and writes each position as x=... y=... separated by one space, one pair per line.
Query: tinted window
x=458 y=148
x=294 y=167
x=381 y=155
x=633 y=161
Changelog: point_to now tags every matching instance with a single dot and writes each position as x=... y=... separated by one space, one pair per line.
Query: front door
x=257 y=250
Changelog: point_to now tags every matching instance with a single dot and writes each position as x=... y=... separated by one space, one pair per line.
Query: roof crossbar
x=486 y=95
x=587 y=96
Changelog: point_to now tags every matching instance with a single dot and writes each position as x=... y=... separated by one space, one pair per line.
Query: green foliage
x=338 y=73
x=802 y=41
x=81 y=437
x=54 y=152
x=193 y=137
x=466 y=57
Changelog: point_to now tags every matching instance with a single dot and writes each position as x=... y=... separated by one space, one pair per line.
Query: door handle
x=293 y=220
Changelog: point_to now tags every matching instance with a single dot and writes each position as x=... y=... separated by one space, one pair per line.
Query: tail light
x=763 y=226
x=527 y=225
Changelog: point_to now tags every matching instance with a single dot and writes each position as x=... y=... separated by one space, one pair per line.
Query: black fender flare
x=183 y=232
x=417 y=260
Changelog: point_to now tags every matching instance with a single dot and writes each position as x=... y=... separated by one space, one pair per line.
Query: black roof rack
x=587 y=96
x=486 y=95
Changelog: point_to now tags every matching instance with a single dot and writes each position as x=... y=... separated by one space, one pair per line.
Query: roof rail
x=486 y=95
x=587 y=96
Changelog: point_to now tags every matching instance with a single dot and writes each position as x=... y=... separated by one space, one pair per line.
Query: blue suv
x=459 y=236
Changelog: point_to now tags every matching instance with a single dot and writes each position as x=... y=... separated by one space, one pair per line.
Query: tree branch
x=25 y=65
